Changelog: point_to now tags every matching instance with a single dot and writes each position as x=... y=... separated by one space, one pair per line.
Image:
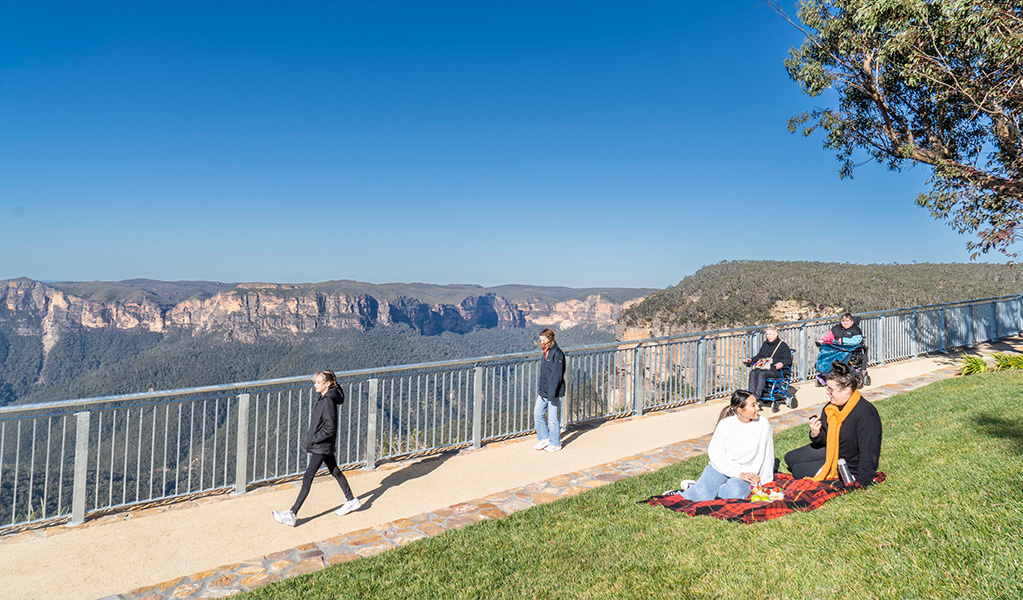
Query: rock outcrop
x=248 y=311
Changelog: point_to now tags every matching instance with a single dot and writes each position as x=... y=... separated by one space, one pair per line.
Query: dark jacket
x=552 y=373
x=848 y=337
x=323 y=422
x=780 y=350
x=859 y=440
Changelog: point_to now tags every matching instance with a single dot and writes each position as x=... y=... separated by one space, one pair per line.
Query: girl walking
x=321 y=447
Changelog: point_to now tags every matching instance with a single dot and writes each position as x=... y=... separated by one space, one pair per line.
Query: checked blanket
x=800 y=494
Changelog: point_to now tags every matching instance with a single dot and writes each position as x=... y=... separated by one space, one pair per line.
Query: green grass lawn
x=946 y=524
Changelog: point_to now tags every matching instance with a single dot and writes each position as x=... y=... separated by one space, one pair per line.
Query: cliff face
x=252 y=310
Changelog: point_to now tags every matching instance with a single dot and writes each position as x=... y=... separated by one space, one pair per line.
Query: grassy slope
x=948 y=523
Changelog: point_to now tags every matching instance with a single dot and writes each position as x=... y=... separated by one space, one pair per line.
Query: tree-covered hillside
x=746 y=292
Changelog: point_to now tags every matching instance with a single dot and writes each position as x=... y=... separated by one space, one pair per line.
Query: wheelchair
x=854 y=356
x=776 y=391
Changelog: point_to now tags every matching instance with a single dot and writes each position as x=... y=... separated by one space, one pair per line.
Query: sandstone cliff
x=246 y=312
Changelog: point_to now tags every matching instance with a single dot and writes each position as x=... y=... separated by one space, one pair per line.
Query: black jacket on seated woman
x=780 y=356
x=858 y=439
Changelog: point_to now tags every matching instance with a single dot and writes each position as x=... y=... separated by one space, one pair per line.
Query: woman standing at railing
x=321 y=447
x=549 y=395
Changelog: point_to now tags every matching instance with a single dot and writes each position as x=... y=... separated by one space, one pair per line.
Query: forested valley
x=91 y=363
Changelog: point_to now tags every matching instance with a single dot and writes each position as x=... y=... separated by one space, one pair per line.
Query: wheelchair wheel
x=774 y=407
x=793 y=402
x=866 y=379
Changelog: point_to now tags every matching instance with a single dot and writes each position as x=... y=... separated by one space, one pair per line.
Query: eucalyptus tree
x=933 y=82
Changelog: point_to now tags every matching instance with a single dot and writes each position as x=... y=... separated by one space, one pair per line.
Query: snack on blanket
x=764 y=494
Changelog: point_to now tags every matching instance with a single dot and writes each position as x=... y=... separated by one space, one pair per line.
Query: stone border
x=228 y=580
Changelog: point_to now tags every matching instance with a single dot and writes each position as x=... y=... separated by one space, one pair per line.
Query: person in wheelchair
x=843 y=343
x=773 y=356
x=846 y=333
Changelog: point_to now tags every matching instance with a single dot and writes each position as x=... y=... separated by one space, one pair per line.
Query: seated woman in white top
x=741 y=453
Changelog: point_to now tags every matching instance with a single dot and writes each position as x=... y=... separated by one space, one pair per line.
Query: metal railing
x=70 y=459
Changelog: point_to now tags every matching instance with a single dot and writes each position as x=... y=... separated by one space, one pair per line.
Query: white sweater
x=738 y=447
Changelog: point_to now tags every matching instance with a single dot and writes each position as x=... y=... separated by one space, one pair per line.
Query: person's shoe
x=541 y=445
x=285 y=517
x=550 y=448
x=686 y=484
x=348 y=507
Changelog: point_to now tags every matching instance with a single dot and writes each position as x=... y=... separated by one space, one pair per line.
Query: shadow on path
x=418 y=469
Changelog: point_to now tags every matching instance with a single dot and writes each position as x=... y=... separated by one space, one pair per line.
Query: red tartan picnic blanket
x=800 y=494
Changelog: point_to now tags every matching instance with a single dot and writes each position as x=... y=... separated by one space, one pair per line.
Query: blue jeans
x=715 y=485
x=550 y=428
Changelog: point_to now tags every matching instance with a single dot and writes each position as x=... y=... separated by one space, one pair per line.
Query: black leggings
x=805 y=461
x=315 y=460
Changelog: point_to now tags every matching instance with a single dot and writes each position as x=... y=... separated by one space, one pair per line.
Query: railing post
x=970 y=329
x=81 y=468
x=882 y=351
x=564 y=399
x=371 y=425
x=477 y=407
x=914 y=344
x=1019 y=315
x=944 y=328
x=701 y=370
x=804 y=352
x=994 y=320
x=241 y=475
x=638 y=366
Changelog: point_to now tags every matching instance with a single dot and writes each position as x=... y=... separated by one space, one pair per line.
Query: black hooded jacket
x=323 y=423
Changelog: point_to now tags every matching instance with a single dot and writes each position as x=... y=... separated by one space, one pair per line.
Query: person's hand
x=815 y=426
x=750 y=478
x=778 y=365
x=747 y=361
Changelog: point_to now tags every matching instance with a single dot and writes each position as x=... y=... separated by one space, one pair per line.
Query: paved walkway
x=218 y=546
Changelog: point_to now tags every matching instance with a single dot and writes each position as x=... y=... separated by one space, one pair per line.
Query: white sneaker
x=550 y=448
x=285 y=517
x=541 y=445
x=348 y=507
x=686 y=484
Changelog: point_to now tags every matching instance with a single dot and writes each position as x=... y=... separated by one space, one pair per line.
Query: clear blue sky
x=556 y=143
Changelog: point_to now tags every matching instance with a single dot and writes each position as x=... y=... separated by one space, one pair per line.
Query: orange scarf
x=835 y=416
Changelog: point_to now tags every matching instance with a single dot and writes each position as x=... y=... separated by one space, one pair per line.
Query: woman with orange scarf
x=848 y=427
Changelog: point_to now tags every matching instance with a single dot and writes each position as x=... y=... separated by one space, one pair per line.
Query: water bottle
x=844 y=473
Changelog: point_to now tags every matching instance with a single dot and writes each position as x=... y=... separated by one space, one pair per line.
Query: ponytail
x=737 y=401
x=329 y=377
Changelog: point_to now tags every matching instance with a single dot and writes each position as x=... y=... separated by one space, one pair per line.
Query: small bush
x=972 y=365
x=1008 y=362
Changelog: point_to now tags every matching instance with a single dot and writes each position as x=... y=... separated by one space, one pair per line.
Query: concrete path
x=217 y=546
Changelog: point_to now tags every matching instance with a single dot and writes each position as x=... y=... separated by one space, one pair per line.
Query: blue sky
x=554 y=143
